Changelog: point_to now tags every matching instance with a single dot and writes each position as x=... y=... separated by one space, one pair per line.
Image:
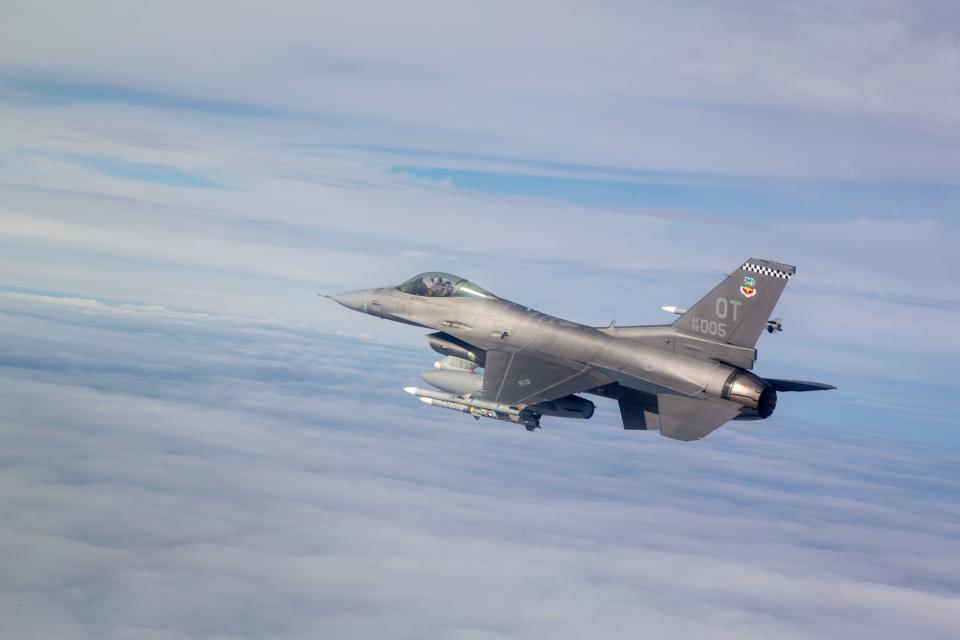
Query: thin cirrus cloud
x=228 y=475
x=862 y=92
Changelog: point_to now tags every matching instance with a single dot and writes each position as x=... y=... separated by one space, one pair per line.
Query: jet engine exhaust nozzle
x=758 y=397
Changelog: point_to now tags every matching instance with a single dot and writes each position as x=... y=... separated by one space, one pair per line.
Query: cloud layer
x=172 y=475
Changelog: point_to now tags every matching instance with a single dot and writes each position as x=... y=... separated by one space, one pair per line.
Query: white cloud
x=866 y=91
x=273 y=481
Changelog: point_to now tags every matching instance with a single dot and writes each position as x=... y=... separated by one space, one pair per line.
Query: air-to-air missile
x=477 y=408
x=458 y=397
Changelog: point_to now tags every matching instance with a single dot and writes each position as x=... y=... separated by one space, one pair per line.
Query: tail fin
x=737 y=310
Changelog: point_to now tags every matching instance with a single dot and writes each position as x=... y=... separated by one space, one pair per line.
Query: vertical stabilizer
x=736 y=310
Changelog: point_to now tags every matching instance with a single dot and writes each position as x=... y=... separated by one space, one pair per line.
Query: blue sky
x=45 y=87
x=169 y=213
x=137 y=171
x=749 y=200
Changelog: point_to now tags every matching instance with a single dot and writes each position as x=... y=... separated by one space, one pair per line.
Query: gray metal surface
x=531 y=358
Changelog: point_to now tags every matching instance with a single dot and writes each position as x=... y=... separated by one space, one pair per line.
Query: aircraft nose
x=356 y=300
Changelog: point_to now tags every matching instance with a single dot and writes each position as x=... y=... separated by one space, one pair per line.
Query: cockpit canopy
x=442 y=285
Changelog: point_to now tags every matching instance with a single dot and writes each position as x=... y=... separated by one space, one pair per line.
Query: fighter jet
x=684 y=379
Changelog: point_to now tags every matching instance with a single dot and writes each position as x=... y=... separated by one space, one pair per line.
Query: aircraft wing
x=514 y=378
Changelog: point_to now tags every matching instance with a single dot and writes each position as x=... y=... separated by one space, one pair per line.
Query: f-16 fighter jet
x=684 y=379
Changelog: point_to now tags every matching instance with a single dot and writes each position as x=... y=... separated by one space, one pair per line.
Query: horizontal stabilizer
x=683 y=418
x=798 y=385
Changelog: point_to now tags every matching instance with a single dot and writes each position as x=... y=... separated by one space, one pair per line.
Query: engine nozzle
x=757 y=397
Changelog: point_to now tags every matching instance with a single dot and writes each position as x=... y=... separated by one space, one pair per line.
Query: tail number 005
x=725 y=308
x=708 y=327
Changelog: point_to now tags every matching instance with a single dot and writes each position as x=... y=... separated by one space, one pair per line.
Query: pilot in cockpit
x=419 y=288
x=440 y=288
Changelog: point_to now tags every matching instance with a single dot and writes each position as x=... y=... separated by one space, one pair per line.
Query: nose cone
x=356 y=300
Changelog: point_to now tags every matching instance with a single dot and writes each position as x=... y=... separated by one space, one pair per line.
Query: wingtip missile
x=677 y=310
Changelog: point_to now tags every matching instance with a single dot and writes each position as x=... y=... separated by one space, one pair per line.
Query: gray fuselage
x=644 y=355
